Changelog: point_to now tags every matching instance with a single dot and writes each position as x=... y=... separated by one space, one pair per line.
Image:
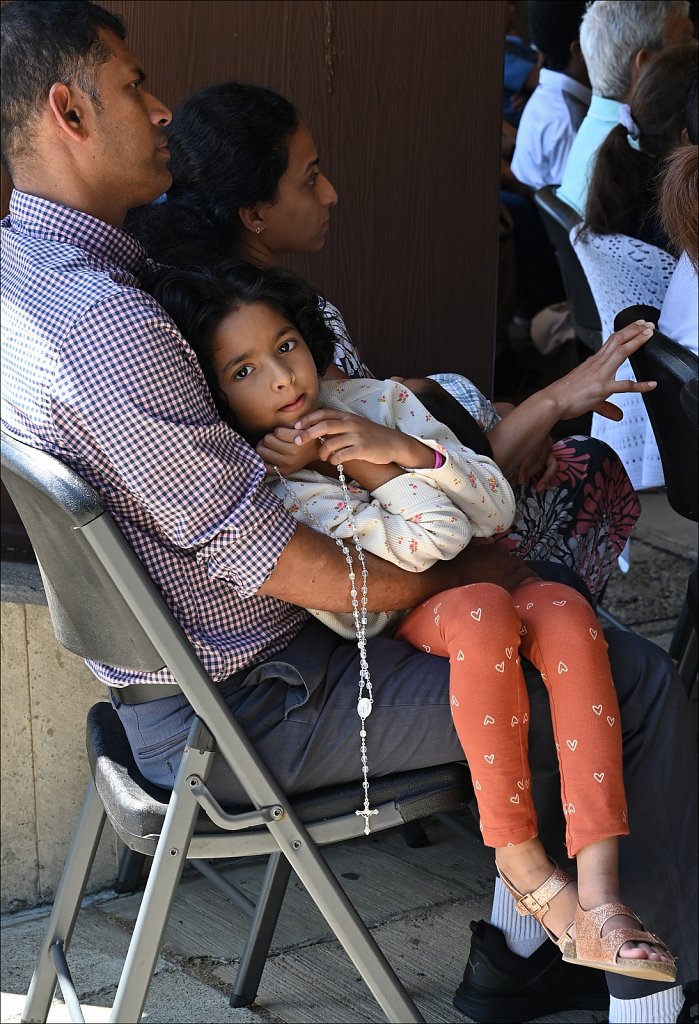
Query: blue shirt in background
x=520 y=58
x=602 y=116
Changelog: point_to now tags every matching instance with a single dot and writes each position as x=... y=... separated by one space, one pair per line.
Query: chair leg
x=687 y=664
x=66 y=905
x=414 y=835
x=684 y=627
x=254 y=956
x=161 y=889
x=341 y=915
x=130 y=871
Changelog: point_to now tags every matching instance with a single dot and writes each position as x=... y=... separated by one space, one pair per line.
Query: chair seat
x=136 y=808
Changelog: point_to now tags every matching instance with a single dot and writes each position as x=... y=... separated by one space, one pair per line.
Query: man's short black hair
x=553 y=26
x=44 y=42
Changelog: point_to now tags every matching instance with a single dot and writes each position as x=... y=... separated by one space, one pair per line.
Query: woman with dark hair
x=247 y=185
x=622 y=198
x=229 y=148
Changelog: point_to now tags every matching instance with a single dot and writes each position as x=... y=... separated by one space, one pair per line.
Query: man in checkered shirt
x=97 y=374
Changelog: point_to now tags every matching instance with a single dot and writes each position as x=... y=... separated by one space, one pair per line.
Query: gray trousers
x=299 y=709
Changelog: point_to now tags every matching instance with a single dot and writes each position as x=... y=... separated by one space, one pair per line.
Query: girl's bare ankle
x=527 y=864
x=595 y=891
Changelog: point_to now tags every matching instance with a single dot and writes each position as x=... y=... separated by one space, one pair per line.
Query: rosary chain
x=359 y=614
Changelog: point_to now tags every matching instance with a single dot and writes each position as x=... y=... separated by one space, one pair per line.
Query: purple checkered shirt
x=95 y=372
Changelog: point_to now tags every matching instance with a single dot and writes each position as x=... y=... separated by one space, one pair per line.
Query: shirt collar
x=41 y=218
x=604 y=109
x=564 y=83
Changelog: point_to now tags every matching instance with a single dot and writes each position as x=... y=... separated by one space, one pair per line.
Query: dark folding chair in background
x=117 y=616
x=672 y=413
x=559 y=219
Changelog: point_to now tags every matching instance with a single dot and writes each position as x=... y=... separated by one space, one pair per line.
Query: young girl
x=416 y=495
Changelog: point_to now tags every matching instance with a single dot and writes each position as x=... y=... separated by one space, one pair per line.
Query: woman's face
x=298 y=219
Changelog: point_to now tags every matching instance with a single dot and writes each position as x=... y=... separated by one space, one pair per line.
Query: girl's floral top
x=415 y=519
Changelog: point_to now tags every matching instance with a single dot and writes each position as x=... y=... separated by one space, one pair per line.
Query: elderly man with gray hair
x=617 y=38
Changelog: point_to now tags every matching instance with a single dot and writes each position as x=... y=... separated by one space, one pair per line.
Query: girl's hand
x=281 y=450
x=346 y=437
x=587 y=387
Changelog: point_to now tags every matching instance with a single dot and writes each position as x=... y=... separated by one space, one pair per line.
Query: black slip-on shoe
x=500 y=987
x=689 y=1014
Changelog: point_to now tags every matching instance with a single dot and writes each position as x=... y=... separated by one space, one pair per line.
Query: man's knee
x=644 y=675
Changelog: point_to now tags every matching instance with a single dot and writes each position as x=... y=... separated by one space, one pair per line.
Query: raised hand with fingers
x=588 y=386
x=518 y=436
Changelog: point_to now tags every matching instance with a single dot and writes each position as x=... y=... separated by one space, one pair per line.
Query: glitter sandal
x=592 y=949
x=536 y=904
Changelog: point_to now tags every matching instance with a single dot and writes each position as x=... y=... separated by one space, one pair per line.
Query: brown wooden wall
x=404 y=99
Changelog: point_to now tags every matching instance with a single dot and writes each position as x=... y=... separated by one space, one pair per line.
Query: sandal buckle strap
x=529 y=904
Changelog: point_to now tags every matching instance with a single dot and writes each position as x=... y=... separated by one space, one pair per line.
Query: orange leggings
x=482 y=629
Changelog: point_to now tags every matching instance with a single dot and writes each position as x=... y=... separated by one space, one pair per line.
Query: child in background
x=415 y=495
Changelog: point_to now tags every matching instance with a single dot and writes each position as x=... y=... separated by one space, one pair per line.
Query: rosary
x=365 y=701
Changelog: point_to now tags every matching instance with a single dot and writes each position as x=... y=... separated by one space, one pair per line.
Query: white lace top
x=624 y=271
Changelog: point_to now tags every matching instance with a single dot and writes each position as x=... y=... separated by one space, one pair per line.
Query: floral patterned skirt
x=584 y=520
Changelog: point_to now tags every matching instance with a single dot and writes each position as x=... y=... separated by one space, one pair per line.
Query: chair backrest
x=89 y=615
x=104 y=604
x=622 y=271
x=559 y=219
x=672 y=366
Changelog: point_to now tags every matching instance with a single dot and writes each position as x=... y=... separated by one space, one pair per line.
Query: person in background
x=622 y=197
x=558 y=105
x=617 y=38
x=521 y=68
x=679 y=215
x=524 y=246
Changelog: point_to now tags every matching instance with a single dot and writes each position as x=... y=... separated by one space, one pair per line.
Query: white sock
x=658 y=1008
x=523 y=935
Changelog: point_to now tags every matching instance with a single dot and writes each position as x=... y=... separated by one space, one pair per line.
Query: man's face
x=127 y=151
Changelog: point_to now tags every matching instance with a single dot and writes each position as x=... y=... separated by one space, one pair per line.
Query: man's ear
x=67 y=111
x=640 y=59
x=252 y=218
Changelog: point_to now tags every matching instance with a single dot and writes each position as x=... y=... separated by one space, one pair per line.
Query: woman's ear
x=252 y=219
x=68 y=112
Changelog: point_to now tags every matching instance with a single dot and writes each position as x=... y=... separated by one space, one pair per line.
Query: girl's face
x=264 y=369
x=298 y=218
